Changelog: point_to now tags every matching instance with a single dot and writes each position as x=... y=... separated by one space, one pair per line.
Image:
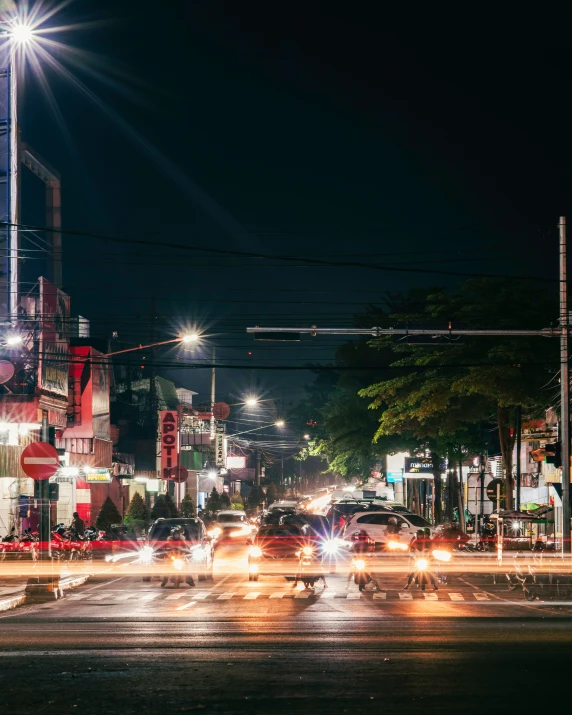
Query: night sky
x=409 y=136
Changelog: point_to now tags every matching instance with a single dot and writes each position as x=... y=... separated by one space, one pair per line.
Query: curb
x=50 y=591
x=7 y=604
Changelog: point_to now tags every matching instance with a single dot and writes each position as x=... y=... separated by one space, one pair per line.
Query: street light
x=251 y=402
x=190 y=338
x=279 y=423
x=21 y=33
x=306 y=436
x=14 y=340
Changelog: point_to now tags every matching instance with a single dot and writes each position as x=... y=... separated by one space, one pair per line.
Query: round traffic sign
x=221 y=410
x=40 y=460
x=492 y=489
x=178 y=475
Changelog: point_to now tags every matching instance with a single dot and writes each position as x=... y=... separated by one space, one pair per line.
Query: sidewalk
x=12 y=592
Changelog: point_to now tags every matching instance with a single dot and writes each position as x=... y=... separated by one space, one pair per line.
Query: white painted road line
x=406 y=596
x=225 y=596
x=148 y=596
x=99 y=597
x=126 y=596
x=328 y=594
x=174 y=596
x=456 y=597
x=277 y=594
x=186 y=605
x=201 y=595
x=78 y=596
x=304 y=594
x=481 y=596
x=383 y=596
x=353 y=595
x=251 y=596
x=430 y=596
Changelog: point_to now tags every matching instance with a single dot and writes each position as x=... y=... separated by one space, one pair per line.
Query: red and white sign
x=235 y=462
x=169 y=430
x=40 y=461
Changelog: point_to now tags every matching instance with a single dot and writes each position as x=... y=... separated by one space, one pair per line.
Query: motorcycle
x=441 y=556
x=362 y=575
x=176 y=563
x=421 y=571
x=309 y=567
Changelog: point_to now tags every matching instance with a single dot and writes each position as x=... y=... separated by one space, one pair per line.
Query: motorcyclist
x=176 y=542
x=420 y=544
x=392 y=526
x=362 y=544
x=77 y=525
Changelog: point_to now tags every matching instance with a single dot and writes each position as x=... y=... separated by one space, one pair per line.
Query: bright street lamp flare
x=21 y=33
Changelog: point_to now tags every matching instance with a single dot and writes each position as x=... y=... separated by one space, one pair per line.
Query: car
x=339 y=512
x=274 y=551
x=232 y=525
x=198 y=547
x=375 y=525
x=394 y=506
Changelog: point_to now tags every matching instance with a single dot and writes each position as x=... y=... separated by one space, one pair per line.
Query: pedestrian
x=78 y=524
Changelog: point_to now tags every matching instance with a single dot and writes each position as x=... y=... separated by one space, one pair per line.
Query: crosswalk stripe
x=148 y=596
x=481 y=596
x=174 y=596
x=353 y=595
x=304 y=594
x=456 y=597
x=406 y=596
x=78 y=596
x=99 y=597
x=251 y=596
x=381 y=595
x=277 y=594
x=200 y=595
x=430 y=596
x=328 y=594
x=186 y=605
x=126 y=596
x=225 y=596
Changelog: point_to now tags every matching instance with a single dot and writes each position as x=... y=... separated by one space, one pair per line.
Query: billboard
x=53 y=314
x=419 y=467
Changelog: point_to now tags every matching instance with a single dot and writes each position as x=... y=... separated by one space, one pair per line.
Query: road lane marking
x=201 y=595
x=127 y=596
x=225 y=596
x=380 y=595
x=405 y=596
x=186 y=605
x=100 y=597
x=148 y=596
x=328 y=594
x=353 y=595
x=174 y=596
x=277 y=594
x=251 y=596
x=78 y=596
x=303 y=594
x=481 y=596
x=430 y=596
x=456 y=596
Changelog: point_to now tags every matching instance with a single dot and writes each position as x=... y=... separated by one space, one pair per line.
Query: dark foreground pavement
x=122 y=646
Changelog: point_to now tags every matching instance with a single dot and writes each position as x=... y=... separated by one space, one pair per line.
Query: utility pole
x=257 y=473
x=44 y=489
x=564 y=390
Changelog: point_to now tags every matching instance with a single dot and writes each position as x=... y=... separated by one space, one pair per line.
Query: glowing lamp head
x=14 y=340
x=280 y=423
x=21 y=33
x=307 y=550
x=251 y=402
x=306 y=436
x=190 y=338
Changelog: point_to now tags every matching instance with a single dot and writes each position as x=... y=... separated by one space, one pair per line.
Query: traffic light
x=553 y=454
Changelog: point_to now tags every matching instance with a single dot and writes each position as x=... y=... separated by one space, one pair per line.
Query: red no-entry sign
x=40 y=460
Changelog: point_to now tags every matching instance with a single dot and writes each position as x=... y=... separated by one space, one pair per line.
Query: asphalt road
x=118 y=645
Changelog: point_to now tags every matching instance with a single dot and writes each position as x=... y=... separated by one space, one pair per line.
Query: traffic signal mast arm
x=377 y=332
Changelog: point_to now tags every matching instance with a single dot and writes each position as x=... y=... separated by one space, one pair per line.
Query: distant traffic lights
x=553 y=453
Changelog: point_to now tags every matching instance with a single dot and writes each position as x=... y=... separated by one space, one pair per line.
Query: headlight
x=253 y=568
x=442 y=555
x=307 y=550
x=359 y=565
x=240 y=532
x=421 y=564
x=255 y=552
x=146 y=555
x=331 y=547
x=214 y=533
x=178 y=564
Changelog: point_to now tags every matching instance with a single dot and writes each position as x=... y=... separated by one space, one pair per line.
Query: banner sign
x=169 y=441
x=220 y=444
x=393 y=477
x=54 y=311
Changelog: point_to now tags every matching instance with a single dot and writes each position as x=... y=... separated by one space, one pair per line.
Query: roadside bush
x=108 y=515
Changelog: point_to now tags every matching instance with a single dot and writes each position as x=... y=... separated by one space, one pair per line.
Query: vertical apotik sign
x=169 y=421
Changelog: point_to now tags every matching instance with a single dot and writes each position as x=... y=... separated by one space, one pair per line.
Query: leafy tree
x=236 y=501
x=224 y=501
x=171 y=506
x=108 y=515
x=137 y=514
x=255 y=496
x=213 y=502
x=271 y=493
x=160 y=509
x=187 y=506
